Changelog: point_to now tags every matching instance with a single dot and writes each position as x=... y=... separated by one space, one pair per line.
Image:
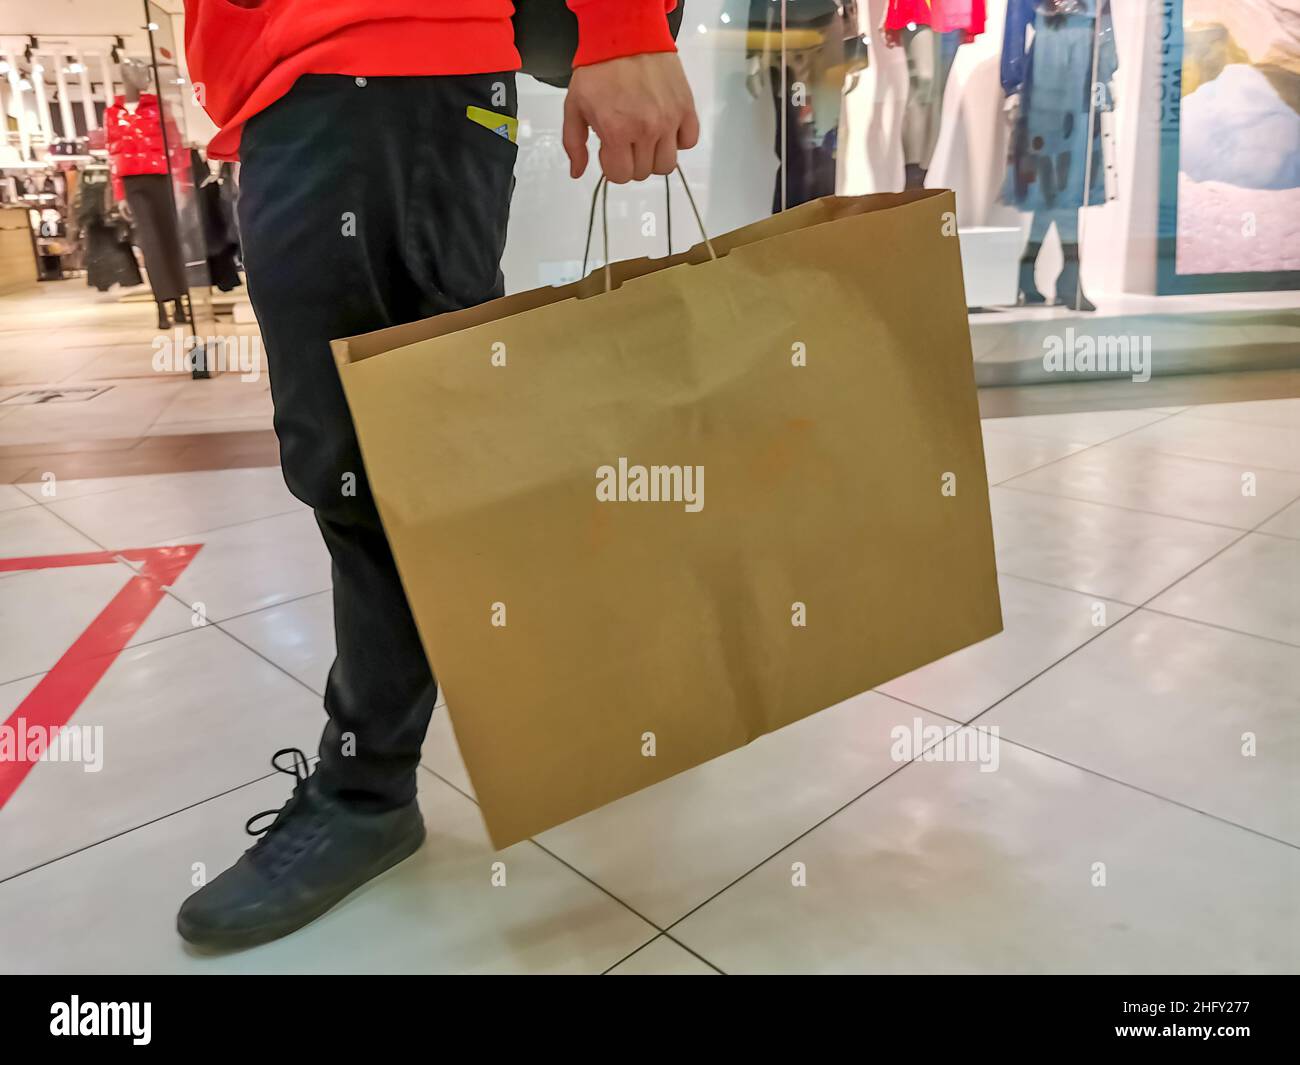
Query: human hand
x=642 y=110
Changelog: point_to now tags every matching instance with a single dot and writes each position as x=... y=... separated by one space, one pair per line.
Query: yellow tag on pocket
x=501 y=125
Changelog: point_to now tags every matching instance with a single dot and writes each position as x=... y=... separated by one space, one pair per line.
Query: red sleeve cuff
x=609 y=29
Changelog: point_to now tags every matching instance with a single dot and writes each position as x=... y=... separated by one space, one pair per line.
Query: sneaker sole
x=243 y=938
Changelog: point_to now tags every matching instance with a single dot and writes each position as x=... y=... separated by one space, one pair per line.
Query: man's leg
x=323 y=183
x=351 y=202
x=363 y=203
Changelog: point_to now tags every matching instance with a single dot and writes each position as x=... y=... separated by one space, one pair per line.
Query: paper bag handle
x=602 y=189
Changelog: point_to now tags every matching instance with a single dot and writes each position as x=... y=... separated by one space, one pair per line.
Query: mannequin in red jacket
x=377 y=147
x=133 y=129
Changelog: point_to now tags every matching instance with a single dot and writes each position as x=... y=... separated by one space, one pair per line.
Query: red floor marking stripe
x=62 y=690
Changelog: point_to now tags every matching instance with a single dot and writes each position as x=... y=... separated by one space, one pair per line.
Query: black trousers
x=365 y=203
x=153 y=220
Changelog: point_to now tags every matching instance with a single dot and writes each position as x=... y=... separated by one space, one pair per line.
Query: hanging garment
x=109 y=258
x=930 y=55
x=229 y=200
x=818 y=39
x=1049 y=161
x=942 y=16
x=154 y=221
x=219 y=243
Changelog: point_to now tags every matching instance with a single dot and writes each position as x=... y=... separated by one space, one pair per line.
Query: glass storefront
x=1051 y=119
x=1107 y=155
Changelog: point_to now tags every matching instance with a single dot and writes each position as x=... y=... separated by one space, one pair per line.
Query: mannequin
x=1054 y=158
x=133 y=123
x=930 y=32
x=823 y=52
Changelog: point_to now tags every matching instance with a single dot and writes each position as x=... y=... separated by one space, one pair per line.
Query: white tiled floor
x=1144 y=815
x=59 y=334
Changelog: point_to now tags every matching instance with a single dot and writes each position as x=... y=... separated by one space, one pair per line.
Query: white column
x=19 y=104
x=65 y=103
x=42 y=101
x=106 y=74
x=87 y=97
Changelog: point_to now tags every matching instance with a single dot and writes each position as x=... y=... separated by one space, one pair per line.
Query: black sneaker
x=315 y=853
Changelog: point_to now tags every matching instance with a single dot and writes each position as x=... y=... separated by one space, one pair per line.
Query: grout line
x=1133 y=613
x=1119 y=436
x=660 y=932
x=170 y=592
x=181 y=632
x=663 y=932
x=1061 y=458
x=1066 y=588
x=1271 y=535
x=301 y=683
x=273 y=606
x=716 y=968
x=545 y=850
x=671 y=939
x=1097 y=772
x=1221 y=628
x=451 y=784
x=136 y=828
x=1040 y=673
x=1120 y=506
x=806 y=832
x=172 y=540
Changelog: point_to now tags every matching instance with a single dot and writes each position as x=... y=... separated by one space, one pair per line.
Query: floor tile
x=437 y=912
x=1285 y=523
x=1042 y=625
x=1164 y=704
x=28 y=531
x=1245 y=444
x=1217 y=492
x=65 y=488
x=946 y=869
x=1280 y=412
x=249 y=423
x=1084 y=427
x=441 y=755
x=183 y=719
x=298 y=636
x=177 y=506
x=45 y=611
x=1010 y=454
x=1097 y=549
x=35 y=368
x=662 y=957
x=127 y=409
x=222 y=397
x=259 y=564
x=11 y=497
x=1254 y=587
x=668 y=848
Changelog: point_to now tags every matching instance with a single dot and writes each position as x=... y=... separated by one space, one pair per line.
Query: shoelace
x=299 y=770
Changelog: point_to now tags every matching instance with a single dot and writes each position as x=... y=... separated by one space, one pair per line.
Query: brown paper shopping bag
x=641 y=527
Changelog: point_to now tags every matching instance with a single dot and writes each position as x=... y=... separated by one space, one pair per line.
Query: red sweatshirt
x=243 y=55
